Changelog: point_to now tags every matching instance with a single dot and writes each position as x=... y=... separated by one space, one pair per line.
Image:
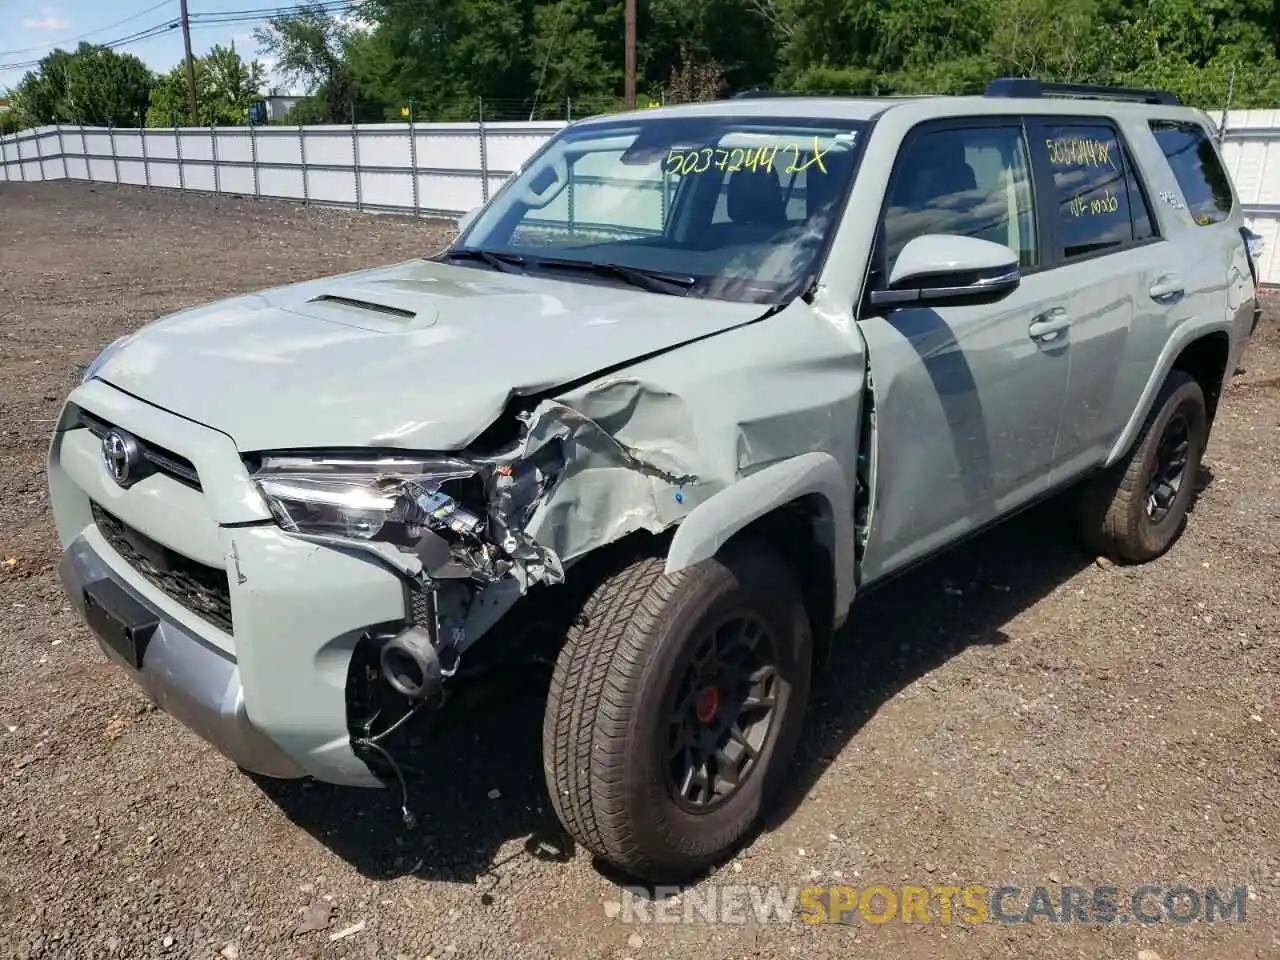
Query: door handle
x=1167 y=288
x=1050 y=325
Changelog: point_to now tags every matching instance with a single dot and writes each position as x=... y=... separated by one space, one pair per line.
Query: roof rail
x=746 y=94
x=1031 y=88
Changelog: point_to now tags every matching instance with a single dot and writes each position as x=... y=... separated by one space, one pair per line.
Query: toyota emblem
x=121 y=454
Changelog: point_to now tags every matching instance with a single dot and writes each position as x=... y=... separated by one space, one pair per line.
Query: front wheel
x=675 y=708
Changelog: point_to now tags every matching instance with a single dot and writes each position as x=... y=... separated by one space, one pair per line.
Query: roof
x=1004 y=96
x=842 y=108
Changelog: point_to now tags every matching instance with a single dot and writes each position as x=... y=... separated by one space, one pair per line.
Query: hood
x=420 y=355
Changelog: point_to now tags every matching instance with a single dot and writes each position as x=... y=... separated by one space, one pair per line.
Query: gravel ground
x=1012 y=713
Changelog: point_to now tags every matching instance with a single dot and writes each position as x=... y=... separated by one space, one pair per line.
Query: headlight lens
x=103 y=356
x=392 y=499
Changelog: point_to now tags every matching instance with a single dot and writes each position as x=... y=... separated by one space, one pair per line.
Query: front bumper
x=266 y=679
x=183 y=675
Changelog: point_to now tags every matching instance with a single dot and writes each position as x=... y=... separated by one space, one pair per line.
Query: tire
x=1114 y=520
x=614 y=691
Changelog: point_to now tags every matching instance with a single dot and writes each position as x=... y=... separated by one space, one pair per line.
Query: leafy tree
x=311 y=47
x=225 y=88
x=93 y=85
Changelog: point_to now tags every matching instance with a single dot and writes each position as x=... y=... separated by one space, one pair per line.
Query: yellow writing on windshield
x=730 y=160
x=1081 y=152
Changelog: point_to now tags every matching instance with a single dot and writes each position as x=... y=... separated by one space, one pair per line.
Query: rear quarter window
x=1205 y=186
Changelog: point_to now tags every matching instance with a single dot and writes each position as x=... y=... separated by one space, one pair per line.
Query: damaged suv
x=692 y=380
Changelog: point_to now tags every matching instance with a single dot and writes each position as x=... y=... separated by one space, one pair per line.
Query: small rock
x=1105 y=563
x=230 y=952
x=930 y=866
x=612 y=908
x=495 y=793
x=115 y=728
x=1055 y=877
x=1148 y=955
x=737 y=867
x=307 y=888
x=800 y=851
x=635 y=941
x=315 y=917
x=168 y=942
x=345 y=932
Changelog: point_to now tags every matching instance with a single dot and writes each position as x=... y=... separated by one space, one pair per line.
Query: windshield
x=735 y=208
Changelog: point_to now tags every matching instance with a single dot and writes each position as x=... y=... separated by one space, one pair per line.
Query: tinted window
x=1091 y=184
x=1195 y=164
x=974 y=182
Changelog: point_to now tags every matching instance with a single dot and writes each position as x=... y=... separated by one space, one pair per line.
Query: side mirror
x=464 y=221
x=940 y=269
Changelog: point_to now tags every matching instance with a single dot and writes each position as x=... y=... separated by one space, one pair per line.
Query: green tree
x=93 y=85
x=225 y=88
x=311 y=47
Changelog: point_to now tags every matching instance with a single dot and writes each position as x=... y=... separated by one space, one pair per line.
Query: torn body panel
x=645 y=448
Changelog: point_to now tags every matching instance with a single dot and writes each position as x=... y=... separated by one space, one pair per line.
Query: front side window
x=1091 y=180
x=739 y=207
x=1196 y=167
x=972 y=182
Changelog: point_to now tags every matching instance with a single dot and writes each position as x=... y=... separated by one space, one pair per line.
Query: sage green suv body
x=691 y=380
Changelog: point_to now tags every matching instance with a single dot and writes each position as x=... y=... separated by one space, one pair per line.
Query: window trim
x=875 y=263
x=1040 y=125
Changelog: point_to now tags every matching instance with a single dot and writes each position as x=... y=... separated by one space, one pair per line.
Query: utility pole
x=191 y=66
x=631 y=54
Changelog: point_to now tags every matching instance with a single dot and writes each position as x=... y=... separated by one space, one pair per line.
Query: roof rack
x=1029 y=87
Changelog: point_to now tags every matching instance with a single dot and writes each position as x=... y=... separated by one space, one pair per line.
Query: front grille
x=158 y=458
x=202 y=590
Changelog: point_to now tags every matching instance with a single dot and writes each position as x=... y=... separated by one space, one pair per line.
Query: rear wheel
x=674 y=710
x=1137 y=509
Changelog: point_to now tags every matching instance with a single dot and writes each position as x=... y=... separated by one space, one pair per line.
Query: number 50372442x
x=732 y=159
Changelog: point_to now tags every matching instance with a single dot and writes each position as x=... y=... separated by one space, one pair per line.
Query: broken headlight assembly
x=462 y=518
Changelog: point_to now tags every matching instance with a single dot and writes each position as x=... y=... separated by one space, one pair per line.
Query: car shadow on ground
x=477 y=786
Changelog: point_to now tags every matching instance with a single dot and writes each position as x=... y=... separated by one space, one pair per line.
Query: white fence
x=440 y=168
x=432 y=169
x=1251 y=151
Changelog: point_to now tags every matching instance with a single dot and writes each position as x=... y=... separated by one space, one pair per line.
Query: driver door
x=967 y=398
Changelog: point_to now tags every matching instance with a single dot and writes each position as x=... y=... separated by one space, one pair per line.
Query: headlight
x=103 y=356
x=395 y=500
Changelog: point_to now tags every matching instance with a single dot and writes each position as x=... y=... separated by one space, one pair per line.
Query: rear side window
x=1196 y=167
x=1100 y=207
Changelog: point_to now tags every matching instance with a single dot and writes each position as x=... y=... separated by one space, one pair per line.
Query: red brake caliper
x=708 y=704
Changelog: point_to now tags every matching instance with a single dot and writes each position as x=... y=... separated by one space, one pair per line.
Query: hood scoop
x=365 y=305
x=372 y=307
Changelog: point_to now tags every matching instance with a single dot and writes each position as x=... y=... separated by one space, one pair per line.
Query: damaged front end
x=469 y=534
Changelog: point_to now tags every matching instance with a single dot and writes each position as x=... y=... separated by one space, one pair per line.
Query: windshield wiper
x=651 y=280
x=506 y=262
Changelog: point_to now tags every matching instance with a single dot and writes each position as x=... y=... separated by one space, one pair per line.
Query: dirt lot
x=1011 y=714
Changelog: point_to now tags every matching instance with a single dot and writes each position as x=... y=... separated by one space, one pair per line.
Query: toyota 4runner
x=689 y=382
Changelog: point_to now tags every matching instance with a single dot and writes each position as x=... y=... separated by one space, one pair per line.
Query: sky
x=31 y=28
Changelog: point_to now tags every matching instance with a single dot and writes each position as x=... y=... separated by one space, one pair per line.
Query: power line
x=90 y=33
x=197 y=21
x=266 y=13
x=147 y=34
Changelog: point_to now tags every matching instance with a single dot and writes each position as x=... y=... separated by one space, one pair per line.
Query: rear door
x=1105 y=249
x=967 y=398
